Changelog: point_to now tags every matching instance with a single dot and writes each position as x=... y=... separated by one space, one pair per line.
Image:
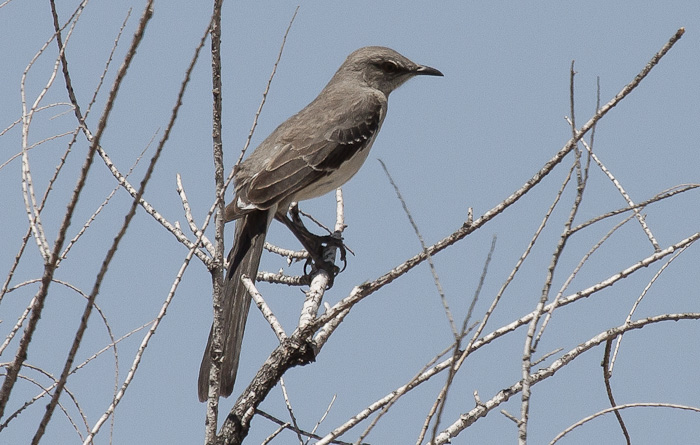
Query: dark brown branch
x=608 y=388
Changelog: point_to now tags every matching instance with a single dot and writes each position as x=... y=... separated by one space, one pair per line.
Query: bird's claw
x=331 y=269
x=323 y=258
x=321 y=248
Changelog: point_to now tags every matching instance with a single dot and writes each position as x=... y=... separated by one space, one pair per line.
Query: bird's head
x=382 y=68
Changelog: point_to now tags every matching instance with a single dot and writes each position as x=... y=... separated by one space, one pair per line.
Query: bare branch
x=290 y=410
x=264 y=308
x=609 y=369
x=479 y=411
x=190 y=219
x=621 y=407
x=608 y=388
x=142 y=348
x=436 y=279
x=49 y=270
x=624 y=194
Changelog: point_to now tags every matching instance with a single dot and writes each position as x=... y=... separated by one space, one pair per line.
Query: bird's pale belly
x=339 y=177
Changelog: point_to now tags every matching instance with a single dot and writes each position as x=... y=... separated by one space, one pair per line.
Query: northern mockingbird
x=312 y=153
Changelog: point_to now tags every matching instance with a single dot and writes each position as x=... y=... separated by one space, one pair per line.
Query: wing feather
x=301 y=159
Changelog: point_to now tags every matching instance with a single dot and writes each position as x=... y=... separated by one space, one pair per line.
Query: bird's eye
x=389 y=67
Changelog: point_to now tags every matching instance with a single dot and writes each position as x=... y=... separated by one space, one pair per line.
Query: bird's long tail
x=244 y=259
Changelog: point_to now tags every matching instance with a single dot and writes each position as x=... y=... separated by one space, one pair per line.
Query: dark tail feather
x=244 y=258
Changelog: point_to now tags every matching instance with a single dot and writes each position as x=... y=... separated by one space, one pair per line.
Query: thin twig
x=608 y=390
x=626 y=196
x=323 y=417
x=190 y=218
x=637 y=302
x=267 y=88
x=531 y=336
x=433 y=271
x=290 y=410
x=386 y=402
x=99 y=209
x=452 y=371
x=48 y=275
x=576 y=270
x=467 y=419
x=621 y=407
x=142 y=348
x=264 y=308
x=681 y=188
x=286 y=425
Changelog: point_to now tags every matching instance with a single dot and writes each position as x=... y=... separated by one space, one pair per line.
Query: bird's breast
x=336 y=178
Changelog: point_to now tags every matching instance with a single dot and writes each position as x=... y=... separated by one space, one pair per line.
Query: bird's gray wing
x=302 y=159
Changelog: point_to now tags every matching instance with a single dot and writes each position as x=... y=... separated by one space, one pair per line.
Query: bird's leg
x=321 y=248
x=335 y=239
x=314 y=241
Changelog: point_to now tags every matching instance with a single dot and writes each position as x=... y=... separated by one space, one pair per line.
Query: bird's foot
x=321 y=248
x=323 y=253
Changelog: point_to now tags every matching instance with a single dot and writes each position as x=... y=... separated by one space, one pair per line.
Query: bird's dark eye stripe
x=389 y=67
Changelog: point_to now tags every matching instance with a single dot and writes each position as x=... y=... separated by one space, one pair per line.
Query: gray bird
x=312 y=153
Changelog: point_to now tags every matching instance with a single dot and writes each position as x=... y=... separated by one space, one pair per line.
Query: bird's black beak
x=427 y=71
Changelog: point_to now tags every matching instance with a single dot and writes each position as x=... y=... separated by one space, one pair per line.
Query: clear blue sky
x=466 y=140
